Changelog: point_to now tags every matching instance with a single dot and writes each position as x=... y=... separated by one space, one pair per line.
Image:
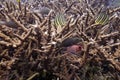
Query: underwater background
x=59 y=39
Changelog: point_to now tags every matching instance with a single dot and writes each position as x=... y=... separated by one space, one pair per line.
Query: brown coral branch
x=24 y=36
x=110 y=35
x=18 y=23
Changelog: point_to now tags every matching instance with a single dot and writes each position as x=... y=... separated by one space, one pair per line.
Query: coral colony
x=59 y=40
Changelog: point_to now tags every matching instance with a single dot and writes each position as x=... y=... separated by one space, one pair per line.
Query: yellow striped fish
x=80 y=0
x=102 y=19
x=59 y=20
x=18 y=1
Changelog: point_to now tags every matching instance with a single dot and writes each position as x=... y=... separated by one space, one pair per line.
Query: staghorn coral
x=32 y=49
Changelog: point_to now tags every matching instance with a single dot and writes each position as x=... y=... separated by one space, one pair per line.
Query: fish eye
x=80 y=47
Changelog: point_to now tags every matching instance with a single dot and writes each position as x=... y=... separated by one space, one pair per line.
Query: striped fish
x=18 y=1
x=80 y=0
x=59 y=20
x=102 y=19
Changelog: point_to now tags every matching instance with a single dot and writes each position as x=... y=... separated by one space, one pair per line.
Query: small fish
x=80 y=1
x=41 y=10
x=44 y=10
x=59 y=20
x=72 y=44
x=71 y=41
x=74 y=49
x=113 y=3
x=102 y=19
x=18 y=1
x=9 y=24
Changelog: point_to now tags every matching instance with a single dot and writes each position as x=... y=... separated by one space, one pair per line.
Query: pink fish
x=74 y=49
